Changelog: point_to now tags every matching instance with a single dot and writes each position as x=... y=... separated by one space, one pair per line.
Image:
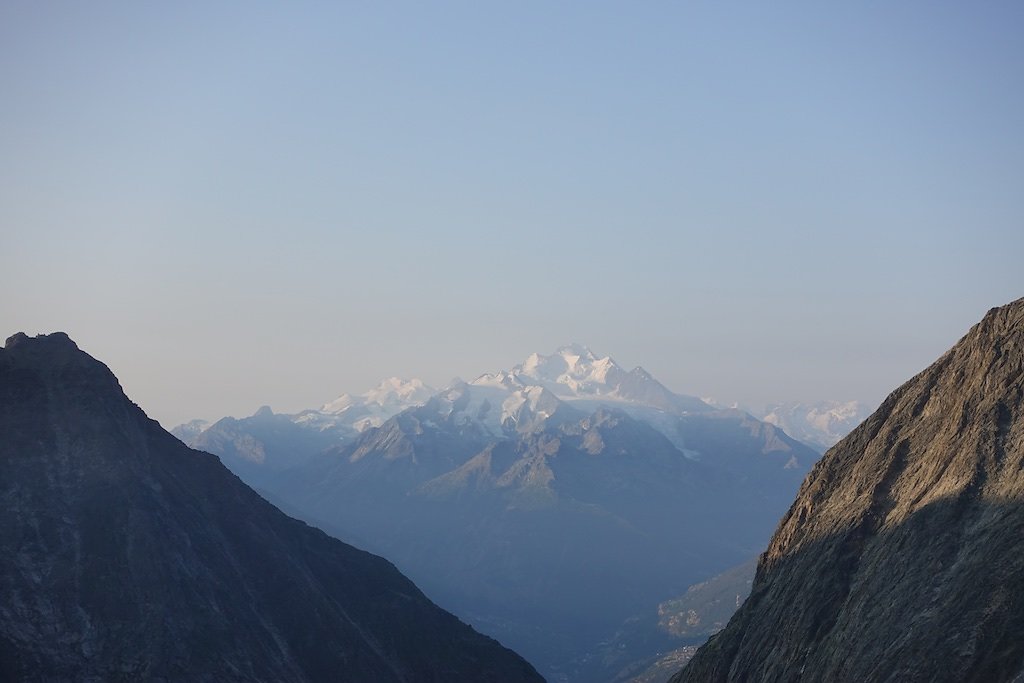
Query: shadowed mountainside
x=129 y=556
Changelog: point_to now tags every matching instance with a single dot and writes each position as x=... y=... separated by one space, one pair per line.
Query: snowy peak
x=569 y=355
x=369 y=409
x=520 y=400
x=820 y=424
x=494 y=408
x=575 y=366
x=498 y=380
x=528 y=408
x=571 y=371
x=188 y=431
x=391 y=393
x=575 y=372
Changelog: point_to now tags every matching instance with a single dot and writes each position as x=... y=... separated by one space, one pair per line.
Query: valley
x=550 y=505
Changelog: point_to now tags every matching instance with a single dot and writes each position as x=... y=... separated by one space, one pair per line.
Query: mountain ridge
x=575 y=372
x=899 y=558
x=572 y=374
x=132 y=556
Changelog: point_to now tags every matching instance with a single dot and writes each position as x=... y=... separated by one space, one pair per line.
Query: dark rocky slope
x=902 y=558
x=128 y=556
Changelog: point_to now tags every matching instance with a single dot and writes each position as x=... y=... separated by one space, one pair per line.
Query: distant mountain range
x=573 y=374
x=900 y=559
x=128 y=556
x=542 y=392
x=370 y=409
x=821 y=424
x=547 y=504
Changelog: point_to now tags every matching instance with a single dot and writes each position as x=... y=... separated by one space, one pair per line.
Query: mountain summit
x=901 y=558
x=390 y=397
x=128 y=556
x=573 y=372
x=260 y=447
x=821 y=424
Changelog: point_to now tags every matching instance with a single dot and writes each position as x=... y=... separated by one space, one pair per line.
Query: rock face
x=128 y=556
x=901 y=559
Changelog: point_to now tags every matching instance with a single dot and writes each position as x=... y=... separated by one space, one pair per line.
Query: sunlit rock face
x=900 y=559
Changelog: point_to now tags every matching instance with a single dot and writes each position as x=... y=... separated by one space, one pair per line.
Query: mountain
x=259 y=447
x=900 y=559
x=821 y=424
x=190 y=430
x=370 y=409
x=548 y=504
x=129 y=556
x=573 y=372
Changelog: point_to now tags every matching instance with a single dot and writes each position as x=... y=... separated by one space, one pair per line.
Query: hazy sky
x=234 y=204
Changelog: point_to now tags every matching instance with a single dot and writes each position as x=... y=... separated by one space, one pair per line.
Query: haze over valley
x=588 y=494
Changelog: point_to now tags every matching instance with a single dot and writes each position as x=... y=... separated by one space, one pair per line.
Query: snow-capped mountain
x=820 y=424
x=544 y=391
x=369 y=409
x=393 y=394
x=190 y=430
x=495 y=410
x=517 y=497
x=259 y=446
x=575 y=373
x=511 y=400
x=540 y=392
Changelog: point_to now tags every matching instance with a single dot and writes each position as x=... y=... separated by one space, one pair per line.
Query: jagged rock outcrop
x=902 y=558
x=128 y=556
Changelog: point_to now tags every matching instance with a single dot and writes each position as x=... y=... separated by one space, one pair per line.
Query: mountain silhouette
x=128 y=556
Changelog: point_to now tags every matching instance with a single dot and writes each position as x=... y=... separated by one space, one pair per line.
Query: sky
x=239 y=204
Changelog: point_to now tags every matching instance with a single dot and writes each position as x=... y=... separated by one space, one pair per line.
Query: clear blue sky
x=235 y=204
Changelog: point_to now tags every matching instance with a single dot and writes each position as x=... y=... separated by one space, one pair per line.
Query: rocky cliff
x=902 y=558
x=128 y=556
